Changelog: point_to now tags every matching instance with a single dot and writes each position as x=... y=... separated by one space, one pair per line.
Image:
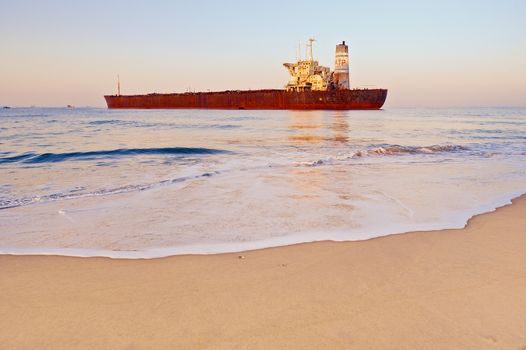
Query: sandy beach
x=450 y=289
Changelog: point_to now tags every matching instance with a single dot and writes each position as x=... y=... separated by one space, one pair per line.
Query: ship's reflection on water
x=316 y=187
x=318 y=126
x=307 y=127
x=340 y=127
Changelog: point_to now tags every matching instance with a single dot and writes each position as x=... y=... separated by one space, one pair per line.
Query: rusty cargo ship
x=311 y=86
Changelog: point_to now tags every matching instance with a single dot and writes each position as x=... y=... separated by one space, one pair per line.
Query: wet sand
x=450 y=289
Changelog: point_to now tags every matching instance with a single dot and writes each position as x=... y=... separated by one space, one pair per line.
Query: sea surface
x=151 y=183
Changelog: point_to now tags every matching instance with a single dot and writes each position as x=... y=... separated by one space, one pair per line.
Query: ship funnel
x=341 y=66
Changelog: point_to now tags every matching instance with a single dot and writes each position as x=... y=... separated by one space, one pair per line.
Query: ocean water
x=151 y=183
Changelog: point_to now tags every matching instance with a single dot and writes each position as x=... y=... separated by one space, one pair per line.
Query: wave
x=32 y=158
x=22 y=115
x=78 y=192
x=106 y=121
x=396 y=149
x=386 y=150
x=140 y=124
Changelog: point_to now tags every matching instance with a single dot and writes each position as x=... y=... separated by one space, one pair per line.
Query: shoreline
x=462 y=288
x=241 y=247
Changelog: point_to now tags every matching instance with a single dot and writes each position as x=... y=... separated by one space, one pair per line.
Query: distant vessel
x=311 y=86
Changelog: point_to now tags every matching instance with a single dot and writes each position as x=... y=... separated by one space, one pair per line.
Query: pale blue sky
x=428 y=53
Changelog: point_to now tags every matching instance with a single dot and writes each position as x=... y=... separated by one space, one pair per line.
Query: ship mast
x=299 y=50
x=118 y=85
x=309 y=48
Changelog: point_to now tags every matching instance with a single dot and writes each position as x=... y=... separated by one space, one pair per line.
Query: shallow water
x=146 y=183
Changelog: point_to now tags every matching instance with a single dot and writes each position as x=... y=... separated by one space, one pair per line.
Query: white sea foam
x=456 y=222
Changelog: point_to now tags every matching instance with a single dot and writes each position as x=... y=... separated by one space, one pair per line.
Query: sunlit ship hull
x=255 y=99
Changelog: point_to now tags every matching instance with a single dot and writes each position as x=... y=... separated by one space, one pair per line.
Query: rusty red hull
x=255 y=99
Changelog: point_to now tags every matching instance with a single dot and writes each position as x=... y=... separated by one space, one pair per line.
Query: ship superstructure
x=309 y=75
